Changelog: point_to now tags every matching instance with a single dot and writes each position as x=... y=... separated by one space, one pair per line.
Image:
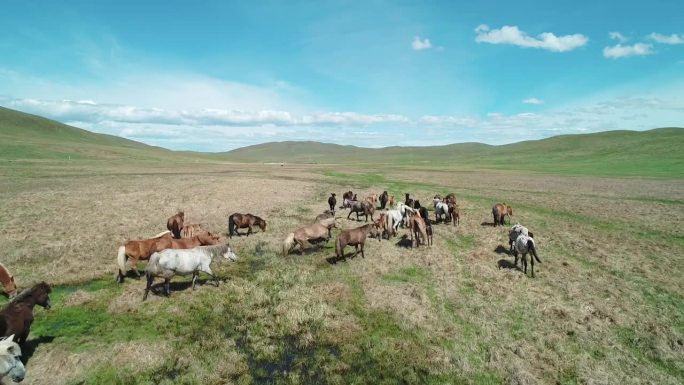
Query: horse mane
x=215 y=250
x=29 y=291
x=160 y=234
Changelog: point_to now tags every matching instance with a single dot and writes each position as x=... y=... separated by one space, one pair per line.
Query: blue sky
x=216 y=75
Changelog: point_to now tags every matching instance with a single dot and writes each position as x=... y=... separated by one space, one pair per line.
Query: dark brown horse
x=451 y=198
x=175 y=224
x=346 y=197
x=7 y=280
x=332 y=201
x=454 y=213
x=384 y=197
x=408 y=201
x=355 y=237
x=500 y=211
x=428 y=224
x=16 y=317
x=240 y=221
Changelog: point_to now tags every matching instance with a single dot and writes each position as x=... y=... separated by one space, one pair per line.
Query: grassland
x=607 y=306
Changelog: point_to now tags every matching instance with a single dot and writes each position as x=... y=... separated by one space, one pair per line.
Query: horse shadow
x=489 y=224
x=506 y=264
x=179 y=286
x=502 y=250
x=31 y=345
x=405 y=242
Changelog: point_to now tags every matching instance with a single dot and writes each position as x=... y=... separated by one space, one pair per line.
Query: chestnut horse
x=175 y=224
x=142 y=249
x=240 y=221
x=319 y=231
x=500 y=211
x=7 y=280
x=392 y=202
x=16 y=317
x=191 y=229
x=418 y=227
x=355 y=237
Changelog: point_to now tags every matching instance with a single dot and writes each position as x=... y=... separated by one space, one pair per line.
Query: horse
x=417 y=226
x=428 y=225
x=16 y=317
x=441 y=208
x=355 y=237
x=405 y=210
x=332 y=201
x=524 y=245
x=190 y=230
x=392 y=202
x=240 y=221
x=175 y=224
x=454 y=213
x=393 y=219
x=7 y=280
x=205 y=239
x=365 y=208
x=372 y=199
x=348 y=195
x=408 y=201
x=312 y=233
x=500 y=211
x=10 y=361
x=384 y=197
x=451 y=198
x=138 y=250
x=325 y=215
x=171 y=262
x=515 y=232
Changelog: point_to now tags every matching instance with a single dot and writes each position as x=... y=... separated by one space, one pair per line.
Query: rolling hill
x=655 y=153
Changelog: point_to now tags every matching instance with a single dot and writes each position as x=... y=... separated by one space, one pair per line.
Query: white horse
x=393 y=219
x=441 y=208
x=524 y=245
x=515 y=232
x=170 y=262
x=405 y=211
x=10 y=363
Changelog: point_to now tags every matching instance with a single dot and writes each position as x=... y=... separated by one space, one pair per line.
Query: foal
x=17 y=316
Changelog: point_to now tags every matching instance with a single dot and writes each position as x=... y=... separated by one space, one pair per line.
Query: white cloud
x=664 y=39
x=420 y=45
x=619 y=50
x=546 y=40
x=533 y=101
x=617 y=36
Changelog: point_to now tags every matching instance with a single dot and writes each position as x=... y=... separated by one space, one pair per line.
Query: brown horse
x=240 y=221
x=138 y=250
x=175 y=224
x=500 y=211
x=191 y=229
x=454 y=213
x=355 y=237
x=384 y=197
x=325 y=215
x=346 y=197
x=7 y=280
x=365 y=208
x=392 y=202
x=451 y=198
x=16 y=317
x=317 y=232
x=417 y=226
x=372 y=199
x=205 y=239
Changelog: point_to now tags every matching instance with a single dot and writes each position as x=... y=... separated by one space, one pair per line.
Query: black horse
x=332 y=201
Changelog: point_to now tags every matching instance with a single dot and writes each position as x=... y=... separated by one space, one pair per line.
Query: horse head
x=208 y=239
x=11 y=350
x=230 y=255
x=261 y=223
x=10 y=287
x=41 y=293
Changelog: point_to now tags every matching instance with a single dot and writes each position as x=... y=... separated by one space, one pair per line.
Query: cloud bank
x=513 y=35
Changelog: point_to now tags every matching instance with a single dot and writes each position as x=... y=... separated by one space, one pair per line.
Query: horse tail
x=288 y=243
x=231 y=223
x=121 y=261
x=533 y=250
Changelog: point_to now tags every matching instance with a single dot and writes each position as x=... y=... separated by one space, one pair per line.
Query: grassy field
x=607 y=305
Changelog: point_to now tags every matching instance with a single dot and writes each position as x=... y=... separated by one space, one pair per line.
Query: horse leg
x=167 y=286
x=362 y=255
x=194 y=279
x=134 y=266
x=532 y=261
x=524 y=262
x=356 y=249
x=349 y=215
x=150 y=280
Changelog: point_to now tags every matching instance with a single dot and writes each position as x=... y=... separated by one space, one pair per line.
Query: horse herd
x=188 y=249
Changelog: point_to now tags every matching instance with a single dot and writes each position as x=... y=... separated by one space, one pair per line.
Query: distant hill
x=26 y=136
x=655 y=152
